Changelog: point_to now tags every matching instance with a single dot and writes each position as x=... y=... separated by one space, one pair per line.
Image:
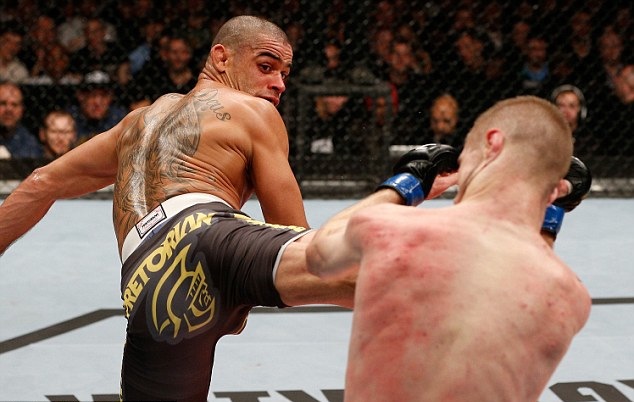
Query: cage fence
x=368 y=77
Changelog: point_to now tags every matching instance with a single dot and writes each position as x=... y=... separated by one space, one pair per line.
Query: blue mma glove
x=580 y=178
x=415 y=171
x=553 y=220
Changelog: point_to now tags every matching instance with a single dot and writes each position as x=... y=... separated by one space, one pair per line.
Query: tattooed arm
x=85 y=169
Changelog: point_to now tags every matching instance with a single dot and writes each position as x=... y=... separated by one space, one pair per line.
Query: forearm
x=337 y=224
x=419 y=174
x=22 y=209
x=330 y=254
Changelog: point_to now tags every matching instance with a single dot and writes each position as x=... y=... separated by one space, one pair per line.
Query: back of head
x=240 y=30
x=537 y=139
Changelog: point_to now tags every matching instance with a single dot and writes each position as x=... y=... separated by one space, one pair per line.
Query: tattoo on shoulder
x=208 y=100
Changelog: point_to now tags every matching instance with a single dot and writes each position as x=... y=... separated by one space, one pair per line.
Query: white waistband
x=160 y=214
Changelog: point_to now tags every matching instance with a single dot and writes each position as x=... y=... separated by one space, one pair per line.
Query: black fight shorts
x=193 y=281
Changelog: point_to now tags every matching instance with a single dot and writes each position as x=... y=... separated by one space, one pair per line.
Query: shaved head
x=244 y=29
x=535 y=129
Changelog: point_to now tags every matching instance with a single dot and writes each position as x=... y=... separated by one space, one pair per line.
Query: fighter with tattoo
x=193 y=264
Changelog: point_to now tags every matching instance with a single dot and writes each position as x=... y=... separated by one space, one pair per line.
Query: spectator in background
x=380 y=52
x=492 y=29
x=578 y=46
x=330 y=66
x=10 y=11
x=57 y=134
x=95 y=111
x=422 y=59
x=465 y=74
x=333 y=58
x=37 y=44
x=523 y=10
x=173 y=76
x=327 y=123
x=55 y=68
x=610 y=48
x=342 y=126
x=443 y=121
x=572 y=103
x=624 y=87
x=11 y=67
x=384 y=15
x=414 y=91
x=129 y=18
x=463 y=21
x=98 y=54
x=297 y=37
x=491 y=23
x=16 y=141
x=518 y=46
x=623 y=24
x=620 y=108
x=149 y=48
x=151 y=51
x=71 y=32
x=604 y=100
x=197 y=31
x=534 y=77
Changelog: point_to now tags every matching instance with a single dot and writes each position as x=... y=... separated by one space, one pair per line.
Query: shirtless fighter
x=193 y=264
x=468 y=302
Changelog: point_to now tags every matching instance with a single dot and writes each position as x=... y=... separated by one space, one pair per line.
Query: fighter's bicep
x=274 y=182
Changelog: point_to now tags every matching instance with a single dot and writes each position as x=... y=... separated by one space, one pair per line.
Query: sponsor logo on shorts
x=174 y=284
x=156 y=216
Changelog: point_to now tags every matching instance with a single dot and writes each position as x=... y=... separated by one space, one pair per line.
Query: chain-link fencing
x=371 y=79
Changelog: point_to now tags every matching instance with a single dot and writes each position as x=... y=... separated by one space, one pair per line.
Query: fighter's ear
x=219 y=56
x=494 y=143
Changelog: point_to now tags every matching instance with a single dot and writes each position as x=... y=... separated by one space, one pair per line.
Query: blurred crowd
x=70 y=71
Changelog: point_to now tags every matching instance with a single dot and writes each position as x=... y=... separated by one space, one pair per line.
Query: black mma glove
x=581 y=179
x=415 y=171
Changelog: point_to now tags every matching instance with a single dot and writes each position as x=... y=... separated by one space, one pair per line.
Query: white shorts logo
x=149 y=221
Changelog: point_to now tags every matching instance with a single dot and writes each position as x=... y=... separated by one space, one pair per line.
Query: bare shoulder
x=570 y=286
x=226 y=104
x=391 y=220
x=398 y=215
x=161 y=106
